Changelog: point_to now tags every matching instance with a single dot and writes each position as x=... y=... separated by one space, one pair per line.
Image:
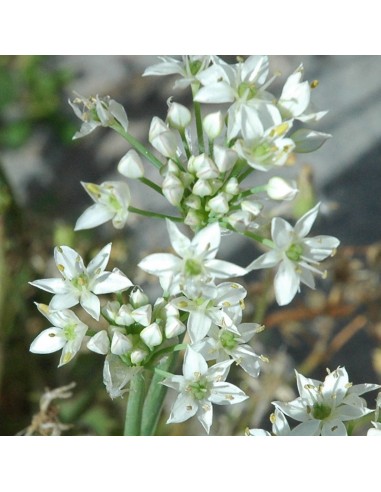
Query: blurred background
x=41 y=197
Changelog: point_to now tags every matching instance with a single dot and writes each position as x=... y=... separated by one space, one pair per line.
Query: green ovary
x=247 y=90
x=199 y=389
x=321 y=411
x=192 y=267
x=81 y=281
x=228 y=340
x=294 y=252
x=69 y=332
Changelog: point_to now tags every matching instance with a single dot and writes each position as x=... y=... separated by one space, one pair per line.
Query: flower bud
x=219 y=204
x=252 y=207
x=173 y=189
x=120 y=343
x=213 y=125
x=124 y=316
x=224 y=158
x=138 y=298
x=203 y=167
x=174 y=327
x=131 y=165
x=142 y=315
x=178 y=116
x=193 y=201
x=193 y=219
x=162 y=138
x=279 y=189
x=151 y=335
x=202 y=188
x=232 y=186
x=138 y=355
x=99 y=343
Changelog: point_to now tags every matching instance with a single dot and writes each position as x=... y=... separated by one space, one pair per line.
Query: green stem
x=135 y=405
x=197 y=113
x=151 y=184
x=138 y=146
x=154 y=215
x=245 y=174
x=155 y=397
x=185 y=142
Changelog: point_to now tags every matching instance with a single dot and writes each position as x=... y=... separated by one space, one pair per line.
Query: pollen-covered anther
x=61 y=268
x=272 y=418
x=229 y=397
x=260 y=328
x=264 y=358
x=314 y=84
x=189 y=407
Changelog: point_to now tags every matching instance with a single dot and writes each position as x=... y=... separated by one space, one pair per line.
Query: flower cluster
x=203 y=161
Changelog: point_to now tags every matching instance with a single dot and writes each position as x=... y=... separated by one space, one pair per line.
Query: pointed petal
x=207 y=241
x=286 y=283
x=94 y=216
x=108 y=282
x=160 y=263
x=226 y=394
x=219 y=92
x=68 y=262
x=304 y=224
x=281 y=232
x=52 y=285
x=64 y=301
x=48 y=341
x=91 y=304
x=224 y=269
x=183 y=409
x=198 y=325
x=194 y=364
x=205 y=415
x=180 y=243
x=267 y=260
x=99 y=262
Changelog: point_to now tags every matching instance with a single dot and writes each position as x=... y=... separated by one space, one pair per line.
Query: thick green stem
x=197 y=114
x=155 y=397
x=135 y=405
x=138 y=146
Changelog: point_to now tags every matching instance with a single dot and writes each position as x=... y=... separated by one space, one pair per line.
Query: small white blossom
x=112 y=199
x=323 y=407
x=188 y=67
x=195 y=264
x=97 y=111
x=66 y=333
x=296 y=255
x=82 y=284
x=224 y=343
x=200 y=387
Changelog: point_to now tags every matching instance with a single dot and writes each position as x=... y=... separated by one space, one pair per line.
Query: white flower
x=188 y=67
x=82 y=284
x=66 y=333
x=97 y=111
x=196 y=263
x=99 y=343
x=213 y=125
x=297 y=255
x=112 y=199
x=178 y=116
x=323 y=407
x=242 y=84
x=224 y=343
x=220 y=304
x=162 y=138
x=200 y=387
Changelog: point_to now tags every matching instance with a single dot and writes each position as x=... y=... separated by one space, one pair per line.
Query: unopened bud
x=224 y=158
x=213 y=125
x=178 y=116
x=280 y=189
x=151 y=335
x=131 y=165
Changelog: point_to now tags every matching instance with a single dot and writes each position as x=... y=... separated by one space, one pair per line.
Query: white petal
x=48 y=341
x=64 y=301
x=194 y=364
x=267 y=260
x=94 y=216
x=281 y=232
x=310 y=428
x=68 y=261
x=183 y=409
x=304 y=224
x=180 y=243
x=224 y=269
x=99 y=262
x=207 y=240
x=226 y=394
x=286 y=283
x=52 y=285
x=333 y=428
x=219 y=92
x=205 y=415
x=90 y=304
x=308 y=140
x=108 y=282
x=161 y=263
x=198 y=325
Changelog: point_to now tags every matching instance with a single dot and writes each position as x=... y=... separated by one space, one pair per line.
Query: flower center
x=69 y=332
x=294 y=252
x=199 y=389
x=195 y=66
x=193 y=267
x=247 y=90
x=228 y=340
x=321 y=411
x=80 y=282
